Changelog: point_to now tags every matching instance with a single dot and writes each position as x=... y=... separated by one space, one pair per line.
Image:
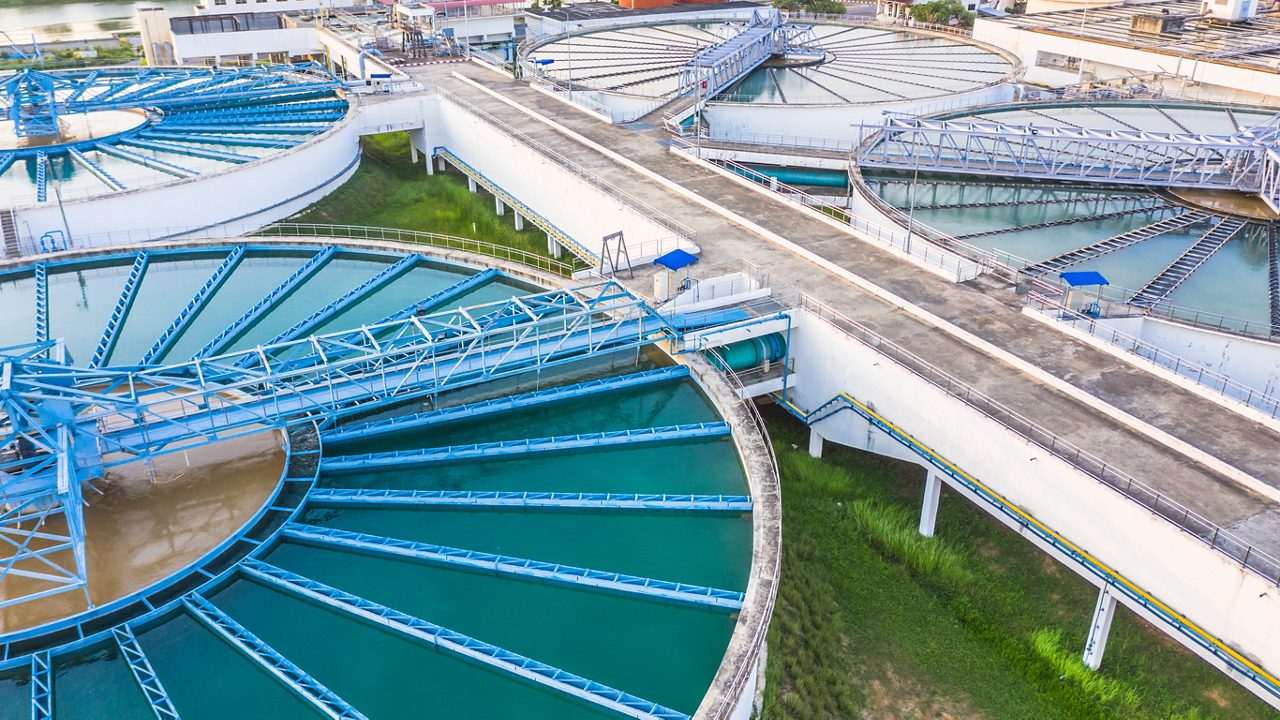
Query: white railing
x=916 y=246
x=1202 y=376
x=313 y=230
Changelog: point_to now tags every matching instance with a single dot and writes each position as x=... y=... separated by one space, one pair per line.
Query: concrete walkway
x=992 y=314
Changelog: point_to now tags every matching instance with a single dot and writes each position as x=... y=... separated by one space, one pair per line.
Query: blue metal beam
x=408 y=458
x=367 y=497
x=439 y=298
x=471 y=411
x=177 y=149
x=41 y=687
x=128 y=294
x=152 y=163
x=249 y=129
x=474 y=560
x=145 y=675
x=6 y=161
x=290 y=675
x=278 y=115
x=253 y=315
x=107 y=178
x=42 y=302
x=193 y=307
x=161 y=133
x=348 y=299
x=42 y=176
x=456 y=643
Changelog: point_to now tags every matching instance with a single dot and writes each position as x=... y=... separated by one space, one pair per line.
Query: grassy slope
x=390 y=191
x=875 y=621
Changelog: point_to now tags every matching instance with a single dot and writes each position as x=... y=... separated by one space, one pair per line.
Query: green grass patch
x=389 y=190
x=875 y=621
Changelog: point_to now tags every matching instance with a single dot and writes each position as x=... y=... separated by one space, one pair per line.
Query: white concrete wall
x=1238 y=607
x=295 y=41
x=342 y=54
x=580 y=208
x=1249 y=361
x=253 y=195
x=728 y=120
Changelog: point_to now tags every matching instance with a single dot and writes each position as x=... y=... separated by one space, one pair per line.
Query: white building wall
x=294 y=41
x=1206 y=587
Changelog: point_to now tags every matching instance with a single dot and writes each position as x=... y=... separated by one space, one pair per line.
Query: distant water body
x=77 y=21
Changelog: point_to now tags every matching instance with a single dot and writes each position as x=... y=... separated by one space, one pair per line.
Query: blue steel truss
x=41 y=687
x=42 y=302
x=503 y=448
x=145 y=675
x=61 y=425
x=259 y=310
x=457 y=643
x=475 y=410
x=525 y=499
x=290 y=675
x=193 y=307
x=178 y=111
x=128 y=294
x=1237 y=161
x=475 y=560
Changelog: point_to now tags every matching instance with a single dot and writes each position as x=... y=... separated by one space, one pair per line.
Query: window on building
x=1057 y=61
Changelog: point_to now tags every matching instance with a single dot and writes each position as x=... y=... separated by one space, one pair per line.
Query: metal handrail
x=742 y=675
x=1249 y=557
x=1158 y=356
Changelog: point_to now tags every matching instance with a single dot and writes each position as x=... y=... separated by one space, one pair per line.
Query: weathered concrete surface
x=990 y=314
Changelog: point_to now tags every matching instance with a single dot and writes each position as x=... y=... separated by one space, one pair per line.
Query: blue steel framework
x=155 y=409
x=1244 y=160
x=180 y=112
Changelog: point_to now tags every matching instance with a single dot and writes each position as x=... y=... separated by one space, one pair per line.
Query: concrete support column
x=929 y=508
x=815 y=443
x=471 y=184
x=519 y=222
x=413 y=152
x=431 y=167
x=498 y=207
x=440 y=163
x=1103 y=613
x=553 y=247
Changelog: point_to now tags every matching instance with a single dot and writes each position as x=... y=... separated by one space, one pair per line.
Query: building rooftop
x=1253 y=44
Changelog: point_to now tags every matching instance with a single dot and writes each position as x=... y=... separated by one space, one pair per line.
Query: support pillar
x=1103 y=613
x=929 y=508
x=471 y=184
x=815 y=443
x=519 y=222
x=440 y=163
x=413 y=151
x=431 y=167
x=553 y=247
x=498 y=207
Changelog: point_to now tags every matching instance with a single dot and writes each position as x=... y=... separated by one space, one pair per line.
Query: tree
x=828 y=7
x=940 y=12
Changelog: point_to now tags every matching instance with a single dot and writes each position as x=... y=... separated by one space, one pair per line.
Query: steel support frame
x=145 y=675
x=457 y=643
x=374 y=497
x=476 y=561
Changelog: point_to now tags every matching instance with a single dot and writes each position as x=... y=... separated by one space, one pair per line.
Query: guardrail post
x=929 y=508
x=1100 y=629
x=815 y=443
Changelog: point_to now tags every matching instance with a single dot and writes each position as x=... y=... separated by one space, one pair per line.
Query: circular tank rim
x=308 y=141
x=744 y=652
x=1016 y=69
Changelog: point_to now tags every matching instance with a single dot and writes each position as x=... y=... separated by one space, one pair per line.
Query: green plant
x=1048 y=643
x=941 y=12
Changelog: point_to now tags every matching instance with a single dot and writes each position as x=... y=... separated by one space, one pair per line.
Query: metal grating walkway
x=1188 y=262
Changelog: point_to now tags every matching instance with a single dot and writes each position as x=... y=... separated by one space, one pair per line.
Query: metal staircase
x=9 y=232
x=1117 y=242
x=1188 y=262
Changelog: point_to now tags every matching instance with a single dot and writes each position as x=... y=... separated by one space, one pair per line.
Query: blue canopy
x=1085 y=277
x=676 y=259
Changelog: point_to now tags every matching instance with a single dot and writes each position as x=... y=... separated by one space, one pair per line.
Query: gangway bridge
x=716 y=67
x=62 y=426
x=1246 y=160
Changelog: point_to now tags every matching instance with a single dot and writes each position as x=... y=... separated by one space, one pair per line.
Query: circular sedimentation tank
x=95 y=132
x=194 y=520
x=1028 y=222
x=860 y=64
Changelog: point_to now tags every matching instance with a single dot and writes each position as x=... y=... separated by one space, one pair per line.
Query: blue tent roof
x=676 y=259
x=1084 y=277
